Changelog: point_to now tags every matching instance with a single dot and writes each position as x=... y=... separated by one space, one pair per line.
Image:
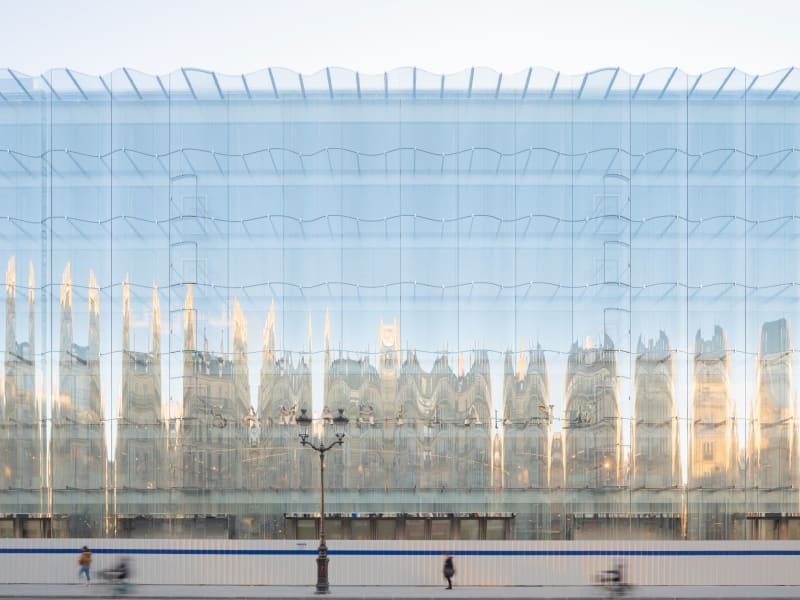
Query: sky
x=241 y=36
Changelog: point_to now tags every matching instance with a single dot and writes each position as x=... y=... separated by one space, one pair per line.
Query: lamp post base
x=323 y=586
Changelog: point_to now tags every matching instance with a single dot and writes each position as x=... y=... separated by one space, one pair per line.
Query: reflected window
x=469 y=529
x=360 y=529
x=708 y=450
x=307 y=529
x=415 y=529
x=495 y=529
x=385 y=529
x=440 y=529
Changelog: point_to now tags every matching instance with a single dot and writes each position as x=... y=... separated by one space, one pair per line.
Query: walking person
x=85 y=561
x=449 y=570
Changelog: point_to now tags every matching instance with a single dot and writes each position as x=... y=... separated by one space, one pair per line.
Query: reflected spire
x=241 y=371
x=66 y=311
x=31 y=284
x=268 y=351
x=126 y=315
x=521 y=360
x=11 y=277
x=239 y=333
x=94 y=318
x=272 y=327
x=189 y=320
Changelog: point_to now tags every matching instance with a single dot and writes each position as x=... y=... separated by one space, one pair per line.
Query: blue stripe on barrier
x=383 y=552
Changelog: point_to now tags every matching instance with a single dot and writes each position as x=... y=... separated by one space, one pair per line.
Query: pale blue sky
x=240 y=36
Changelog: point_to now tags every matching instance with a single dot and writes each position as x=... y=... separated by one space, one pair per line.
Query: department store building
x=551 y=306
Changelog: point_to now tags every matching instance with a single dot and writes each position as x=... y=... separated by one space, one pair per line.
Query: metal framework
x=606 y=84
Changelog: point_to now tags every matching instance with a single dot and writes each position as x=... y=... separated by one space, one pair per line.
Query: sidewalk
x=214 y=592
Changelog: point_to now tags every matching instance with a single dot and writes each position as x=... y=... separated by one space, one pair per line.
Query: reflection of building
x=713 y=447
x=408 y=427
x=78 y=441
x=20 y=423
x=451 y=417
x=216 y=402
x=773 y=440
x=141 y=440
x=413 y=433
x=592 y=436
x=526 y=421
x=389 y=360
x=556 y=462
x=284 y=391
x=497 y=460
x=354 y=386
x=655 y=452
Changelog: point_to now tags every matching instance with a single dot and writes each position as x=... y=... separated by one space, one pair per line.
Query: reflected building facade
x=557 y=462
x=78 y=438
x=284 y=391
x=450 y=415
x=21 y=426
x=354 y=387
x=141 y=443
x=411 y=428
x=773 y=436
x=713 y=452
x=593 y=432
x=655 y=451
x=216 y=402
x=526 y=421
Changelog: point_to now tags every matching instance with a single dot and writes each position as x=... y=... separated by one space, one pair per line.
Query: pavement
x=229 y=592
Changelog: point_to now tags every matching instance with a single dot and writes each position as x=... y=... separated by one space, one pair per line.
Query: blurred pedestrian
x=85 y=561
x=449 y=570
x=120 y=575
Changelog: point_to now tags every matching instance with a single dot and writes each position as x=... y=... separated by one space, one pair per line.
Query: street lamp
x=339 y=424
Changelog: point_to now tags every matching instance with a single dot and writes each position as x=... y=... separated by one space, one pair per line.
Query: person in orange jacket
x=85 y=561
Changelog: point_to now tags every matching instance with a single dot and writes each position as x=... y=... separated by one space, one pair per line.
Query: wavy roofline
x=321 y=71
x=281 y=82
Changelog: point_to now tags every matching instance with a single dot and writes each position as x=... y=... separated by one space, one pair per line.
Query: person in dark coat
x=449 y=570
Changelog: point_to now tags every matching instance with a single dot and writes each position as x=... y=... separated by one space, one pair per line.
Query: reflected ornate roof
x=353 y=371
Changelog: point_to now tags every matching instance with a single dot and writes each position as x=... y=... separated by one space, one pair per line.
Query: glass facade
x=551 y=306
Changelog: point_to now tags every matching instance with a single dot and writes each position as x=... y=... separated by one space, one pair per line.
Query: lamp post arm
x=322 y=448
